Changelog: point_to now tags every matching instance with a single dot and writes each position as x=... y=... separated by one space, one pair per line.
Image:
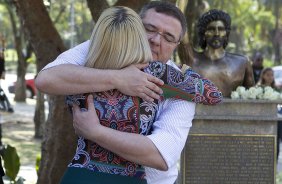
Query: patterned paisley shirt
x=133 y=115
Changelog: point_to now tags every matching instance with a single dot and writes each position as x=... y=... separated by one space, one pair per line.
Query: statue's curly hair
x=206 y=18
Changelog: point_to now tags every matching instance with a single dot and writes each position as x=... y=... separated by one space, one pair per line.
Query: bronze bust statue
x=226 y=70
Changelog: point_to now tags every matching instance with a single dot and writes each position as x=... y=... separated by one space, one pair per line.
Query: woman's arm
x=188 y=86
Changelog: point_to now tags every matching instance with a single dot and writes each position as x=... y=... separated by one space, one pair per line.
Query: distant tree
x=97 y=6
x=20 y=87
x=277 y=38
x=134 y=4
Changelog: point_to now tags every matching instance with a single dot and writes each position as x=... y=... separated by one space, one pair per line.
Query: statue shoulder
x=198 y=55
x=238 y=57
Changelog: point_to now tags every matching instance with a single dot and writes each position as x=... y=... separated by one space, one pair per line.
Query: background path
x=18 y=131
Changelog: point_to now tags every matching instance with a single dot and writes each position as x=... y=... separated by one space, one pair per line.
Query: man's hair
x=210 y=16
x=118 y=40
x=257 y=56
x=166 y=8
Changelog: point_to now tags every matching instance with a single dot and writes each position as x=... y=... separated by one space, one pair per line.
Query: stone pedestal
x=233 y=142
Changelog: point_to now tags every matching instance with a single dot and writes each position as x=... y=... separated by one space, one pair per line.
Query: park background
x=34 y=32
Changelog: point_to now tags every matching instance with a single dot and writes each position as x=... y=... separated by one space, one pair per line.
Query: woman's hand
x=86 y=123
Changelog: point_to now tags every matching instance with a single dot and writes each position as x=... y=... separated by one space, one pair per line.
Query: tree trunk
x=278 y=34
x=59 y=139
x=133 y=4
x=185 y=49
x=96 y=7
x=20 y=87
x=39 y=116
x=59 y=142
x=277 y=40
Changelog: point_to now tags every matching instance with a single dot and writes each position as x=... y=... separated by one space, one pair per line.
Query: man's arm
x=171 y=128
x=71 y=79
x=63 y=76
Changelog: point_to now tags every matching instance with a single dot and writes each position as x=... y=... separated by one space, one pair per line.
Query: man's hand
x=132 y=81
x=86 y=124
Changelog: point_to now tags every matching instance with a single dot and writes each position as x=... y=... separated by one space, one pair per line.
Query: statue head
x=206 y=19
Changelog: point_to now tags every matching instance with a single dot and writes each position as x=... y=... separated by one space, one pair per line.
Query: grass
x=20 y=135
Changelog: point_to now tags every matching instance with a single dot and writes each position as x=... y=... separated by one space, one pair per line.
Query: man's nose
x=156 y=39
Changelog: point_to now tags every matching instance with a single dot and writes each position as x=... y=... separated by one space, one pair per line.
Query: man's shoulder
x=198 y=53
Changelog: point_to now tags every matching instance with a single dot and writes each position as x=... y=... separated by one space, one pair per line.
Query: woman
x=267 y=78
x=118 y=40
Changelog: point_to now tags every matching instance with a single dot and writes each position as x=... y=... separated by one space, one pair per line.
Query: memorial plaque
x=234 y=159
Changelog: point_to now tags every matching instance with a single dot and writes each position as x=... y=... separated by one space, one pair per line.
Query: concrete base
x=234 y=142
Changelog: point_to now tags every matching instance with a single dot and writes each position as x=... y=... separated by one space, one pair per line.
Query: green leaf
x=38 y=160
x=11 y=162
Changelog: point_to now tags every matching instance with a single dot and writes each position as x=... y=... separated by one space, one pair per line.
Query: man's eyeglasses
x=152 y=31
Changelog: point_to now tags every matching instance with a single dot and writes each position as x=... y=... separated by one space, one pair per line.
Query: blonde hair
x=118 y=40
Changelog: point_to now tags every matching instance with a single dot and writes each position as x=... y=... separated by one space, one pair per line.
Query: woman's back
x=117 y=111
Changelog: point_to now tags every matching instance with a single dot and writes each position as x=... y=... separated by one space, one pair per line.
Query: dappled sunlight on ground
x=18 y=131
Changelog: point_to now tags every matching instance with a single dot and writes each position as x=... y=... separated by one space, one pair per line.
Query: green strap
x=172 y=92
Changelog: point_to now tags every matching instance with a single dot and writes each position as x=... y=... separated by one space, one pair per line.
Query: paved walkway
x=23 y=112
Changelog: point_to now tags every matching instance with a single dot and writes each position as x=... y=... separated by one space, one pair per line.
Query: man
x=165 y=26
x=5 y=103
x=226 y=70
x=257 y=65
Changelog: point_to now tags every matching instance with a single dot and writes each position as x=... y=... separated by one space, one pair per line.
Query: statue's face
x=215 y=34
